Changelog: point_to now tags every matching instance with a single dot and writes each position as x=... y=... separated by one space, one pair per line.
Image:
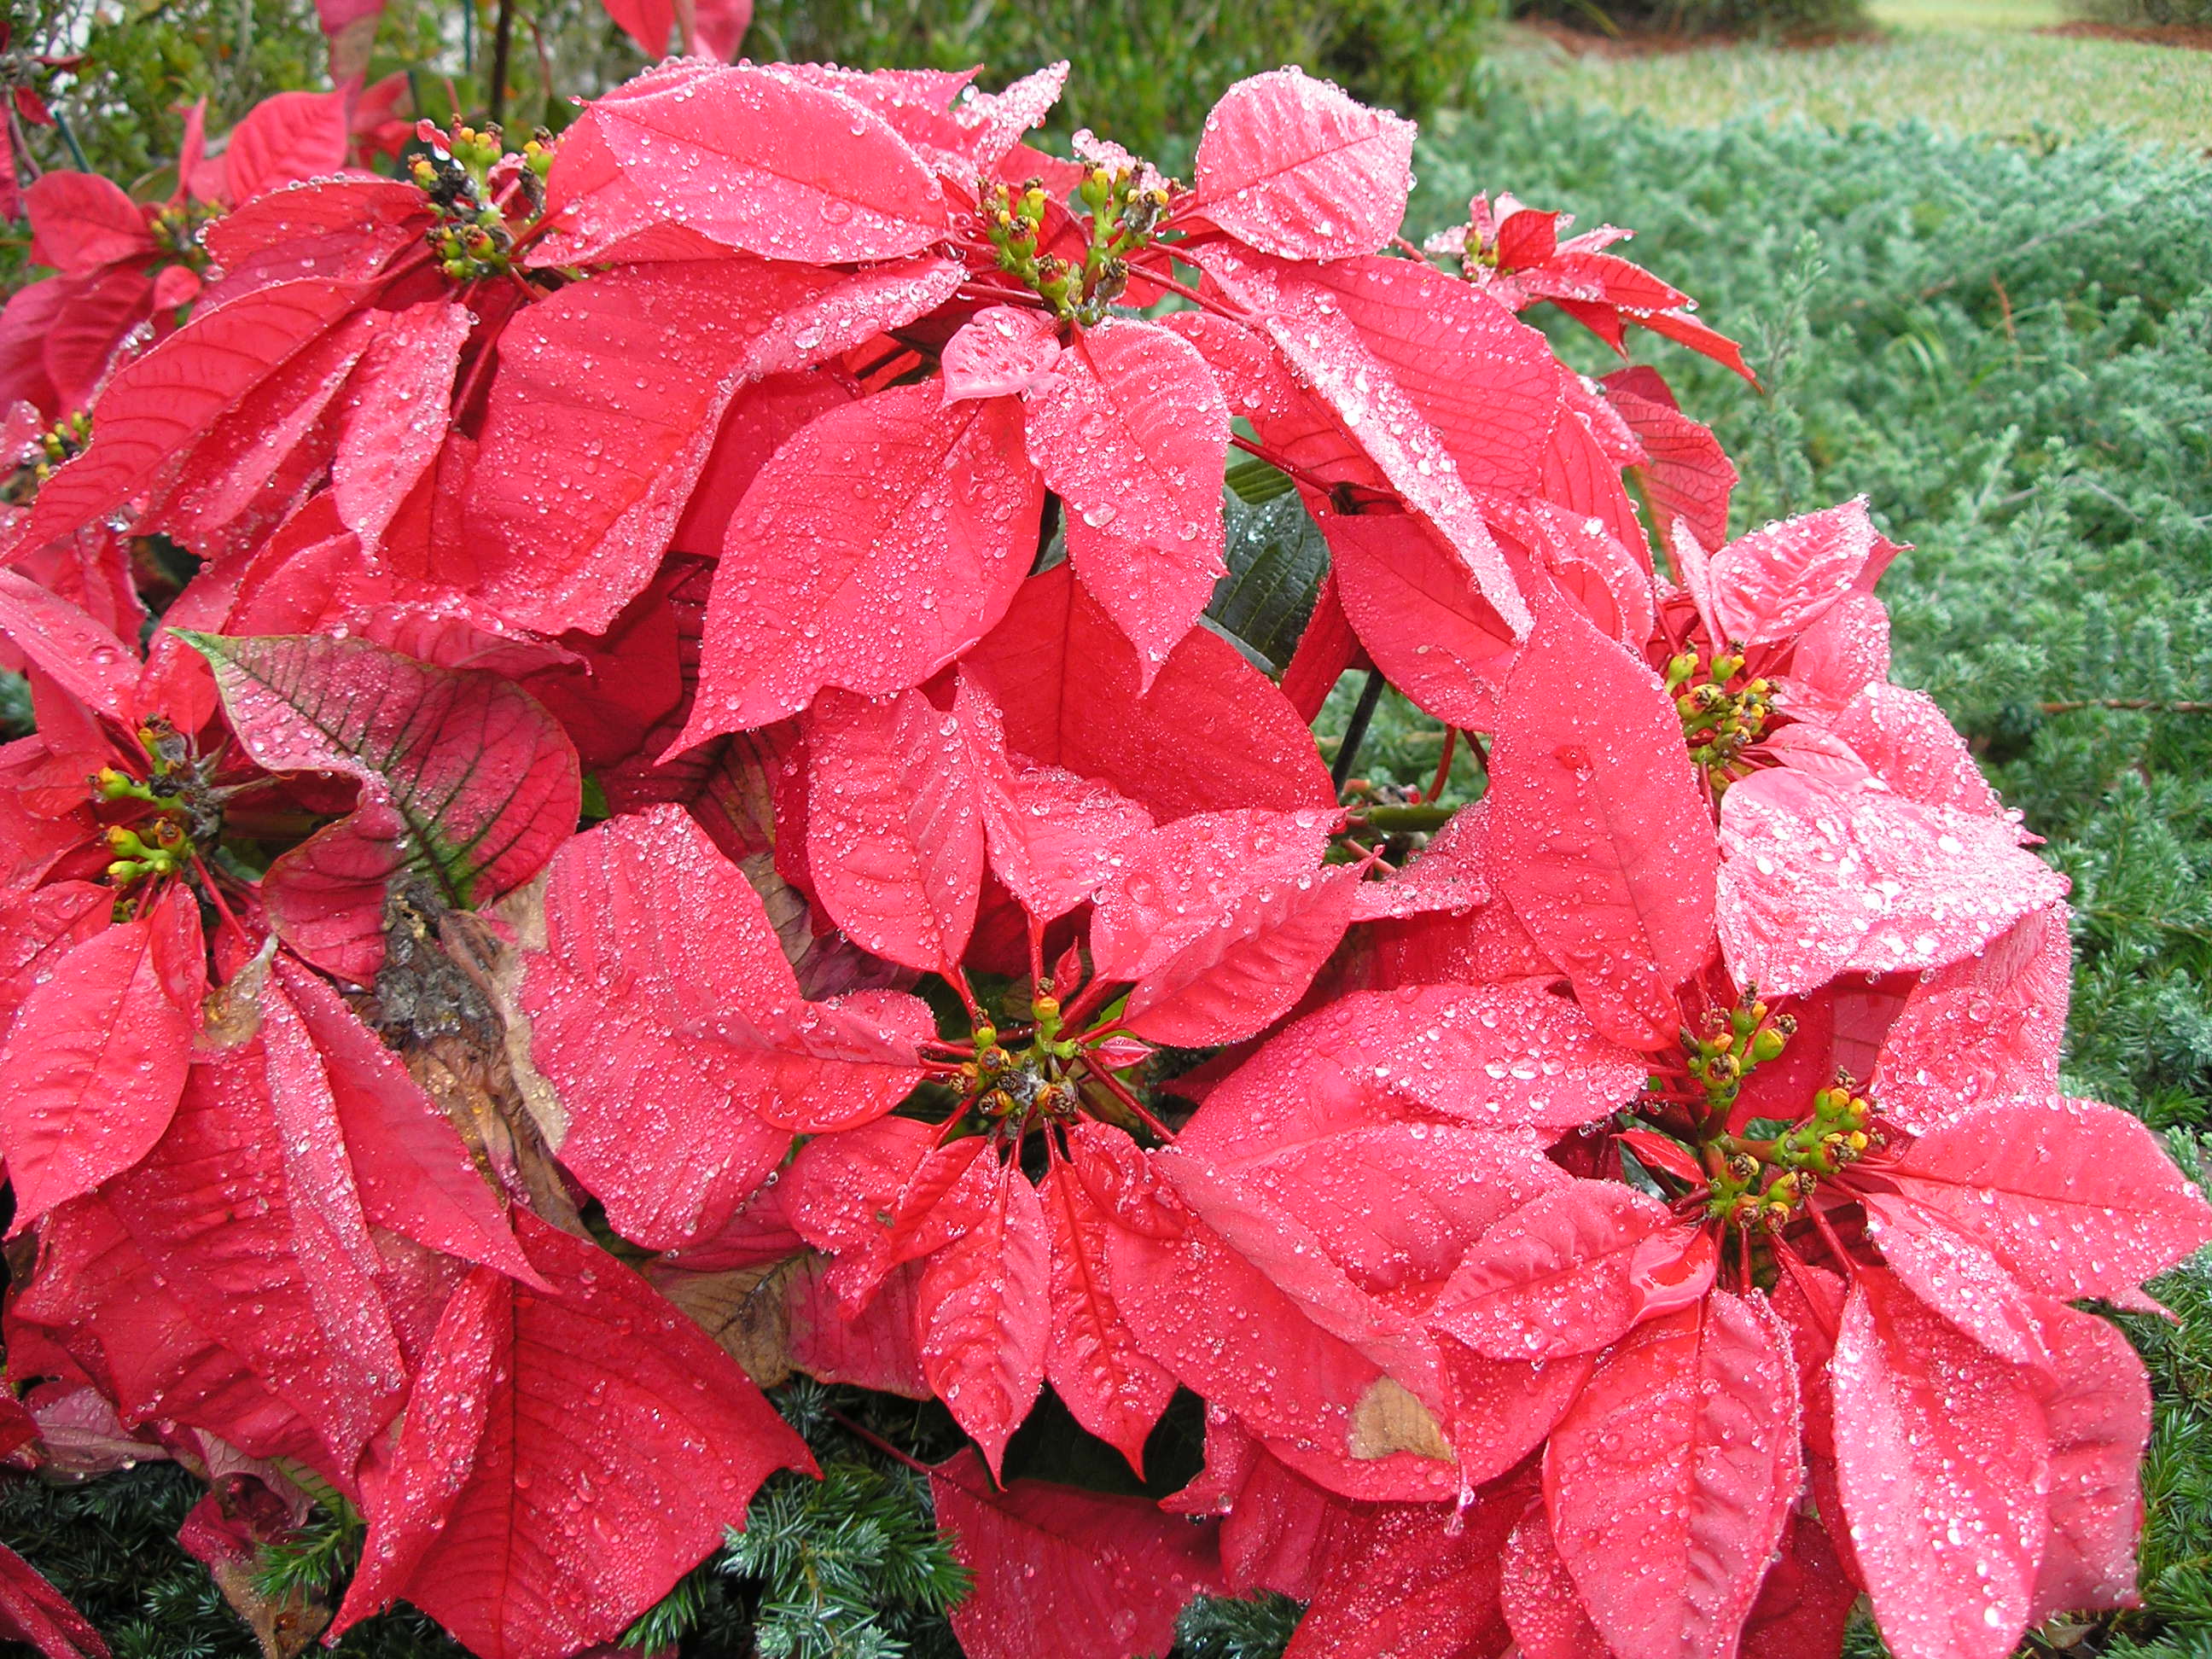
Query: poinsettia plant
x=651 y=773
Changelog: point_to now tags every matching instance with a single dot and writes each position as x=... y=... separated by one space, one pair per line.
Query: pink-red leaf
x=398 y=420
x=81 y=222
x=1771 y=583
x=1421 y=614
x=158 y=405
x=1555 y=1278
x=1687 y=476
x=608 y=402
x=1669 y=1481
x=2099 y=1420
x=1061 y=1573
x=1295 y=167
x=665 y=1015
x=34 y=1611
x=2075 y=1198
x=1221 y=920
x=1821 y=880
x=1942 y=1459
x=413 y=1175
x=1598 y=837
x=1412 y=1581
x=1130 y=432
x=565 y=1458
x=982 y=1308
x=1431 y=380
x=223 y=1222
x=1989 y=1027
x=285 y=138
x=1320 y=1364
x=1502 y=1057
x=1538 y=1596
x=1212 y=734
x=1000 y=351
x=77 y=651
x=894 y=841
x=1958 y=1277
x=893 y=503
x=95 y=1060
x=762 y=162
x=1093 y=1360
x=1054 y=838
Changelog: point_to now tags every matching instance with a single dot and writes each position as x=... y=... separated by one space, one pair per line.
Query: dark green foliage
x=111 y=1545
x=1216 y=1629
x=1147 y=71
x=1787 y=18
x=1276 y=561
x=143 y=62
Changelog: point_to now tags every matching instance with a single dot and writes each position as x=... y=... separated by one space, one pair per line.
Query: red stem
x=1093 y=995
x=1114 y=1086
x=959 y=978
x=1797 y=1267
x=877 y=1441
x=1828 y=1237
x=1215 y=307
x=222 y=909
x=1444 y=767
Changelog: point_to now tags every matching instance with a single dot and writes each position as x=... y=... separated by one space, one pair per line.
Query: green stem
x=1430 y=815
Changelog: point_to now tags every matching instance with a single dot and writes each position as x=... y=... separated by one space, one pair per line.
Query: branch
x=2151 y=705
x=503 y=43
x=1355 y=733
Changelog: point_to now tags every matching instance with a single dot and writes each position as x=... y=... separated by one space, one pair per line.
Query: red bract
x=702 y=780
x=1516 y=252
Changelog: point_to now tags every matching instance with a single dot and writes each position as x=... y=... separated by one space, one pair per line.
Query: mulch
x=2191 y=36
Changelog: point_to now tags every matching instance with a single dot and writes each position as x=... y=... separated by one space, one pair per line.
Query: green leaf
x=1276 y=561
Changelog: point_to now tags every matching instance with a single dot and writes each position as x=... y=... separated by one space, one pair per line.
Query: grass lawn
x=1968 y=14
x=1970 y=65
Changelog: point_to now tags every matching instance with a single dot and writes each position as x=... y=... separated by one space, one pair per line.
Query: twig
x=2149 y=704
x=1355 y=733
x=68 y=138
x=503 y=43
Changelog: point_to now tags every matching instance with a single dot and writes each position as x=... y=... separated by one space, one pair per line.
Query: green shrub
x=1689 y=17
x=141 y=65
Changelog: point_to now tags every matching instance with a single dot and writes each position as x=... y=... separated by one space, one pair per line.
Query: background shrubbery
x=1774 y=17
x=1147 y=68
